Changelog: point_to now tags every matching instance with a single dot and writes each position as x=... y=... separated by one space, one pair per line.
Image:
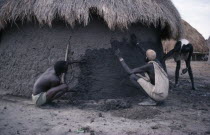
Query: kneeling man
x=48 y=86
x=151 y=77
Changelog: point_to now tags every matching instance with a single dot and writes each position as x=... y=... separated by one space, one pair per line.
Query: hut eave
x=117 y=14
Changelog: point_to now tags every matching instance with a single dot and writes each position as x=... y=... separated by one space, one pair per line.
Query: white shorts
x=39 y=99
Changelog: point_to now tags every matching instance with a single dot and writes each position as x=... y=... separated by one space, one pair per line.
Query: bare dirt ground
x=185 y=112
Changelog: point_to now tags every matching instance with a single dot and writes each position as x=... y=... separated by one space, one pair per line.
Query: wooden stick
x=67 y=50
x=66 y=59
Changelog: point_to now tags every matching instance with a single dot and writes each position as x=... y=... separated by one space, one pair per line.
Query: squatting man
x=151 y=76
x=48 y=86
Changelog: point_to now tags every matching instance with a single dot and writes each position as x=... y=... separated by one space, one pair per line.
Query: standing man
x=48 y=86
x=183 y=50
x=151 y=77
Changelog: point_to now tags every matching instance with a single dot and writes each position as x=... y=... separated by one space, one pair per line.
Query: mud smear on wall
x=103 y=77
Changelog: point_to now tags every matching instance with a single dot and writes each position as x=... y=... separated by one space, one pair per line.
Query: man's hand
x=118 y=53
x=184 y=71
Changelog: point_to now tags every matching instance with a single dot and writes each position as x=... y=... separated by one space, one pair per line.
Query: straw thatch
x=116 y=13
x=191 y=34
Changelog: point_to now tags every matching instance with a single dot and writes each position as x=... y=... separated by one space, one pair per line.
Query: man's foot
x=148 y=102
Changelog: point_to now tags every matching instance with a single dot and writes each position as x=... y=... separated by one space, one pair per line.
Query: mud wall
x=28 y=50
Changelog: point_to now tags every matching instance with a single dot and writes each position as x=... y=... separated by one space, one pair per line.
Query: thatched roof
x=191 y=34
x=116 y=13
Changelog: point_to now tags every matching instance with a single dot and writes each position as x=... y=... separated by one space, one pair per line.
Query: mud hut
x=35 y=34
x=197 y=40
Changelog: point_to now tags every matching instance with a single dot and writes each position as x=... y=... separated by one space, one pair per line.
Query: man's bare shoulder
x=48 y=76
x=45 y=81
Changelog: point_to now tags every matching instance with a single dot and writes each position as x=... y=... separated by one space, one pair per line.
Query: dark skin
x=147 y=68
x=50 y=82
x=182 y=50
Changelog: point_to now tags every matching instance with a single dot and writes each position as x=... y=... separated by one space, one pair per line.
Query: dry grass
x=191 y=34
x=116 y=13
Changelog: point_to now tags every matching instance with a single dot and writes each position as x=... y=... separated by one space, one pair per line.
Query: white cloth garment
x=159 y=91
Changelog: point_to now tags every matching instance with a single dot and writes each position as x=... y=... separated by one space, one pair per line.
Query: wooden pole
x=66 y=59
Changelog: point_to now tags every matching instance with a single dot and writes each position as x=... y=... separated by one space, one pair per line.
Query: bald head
x=151 y=54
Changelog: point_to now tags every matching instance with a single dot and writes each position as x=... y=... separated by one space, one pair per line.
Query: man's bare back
x=46 y=81
x=48 y=86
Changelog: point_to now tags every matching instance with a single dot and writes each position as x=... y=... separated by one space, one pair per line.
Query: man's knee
x=133 y=77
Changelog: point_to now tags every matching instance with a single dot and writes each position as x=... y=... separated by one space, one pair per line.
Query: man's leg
x=178 y=65
x=133 y=79
x=147 y=102
x=56 y=92
x=59 y=94
x=190 y=73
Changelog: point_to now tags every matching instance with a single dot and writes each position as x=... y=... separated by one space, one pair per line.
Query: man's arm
x=125 y=66
x=134 y=42
x=132 y=71
x=168 y=54
x=142 y=50
x=184 y=71
x=51 y=94
x=142 y=69
x=177 y=48
x=190 y=52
